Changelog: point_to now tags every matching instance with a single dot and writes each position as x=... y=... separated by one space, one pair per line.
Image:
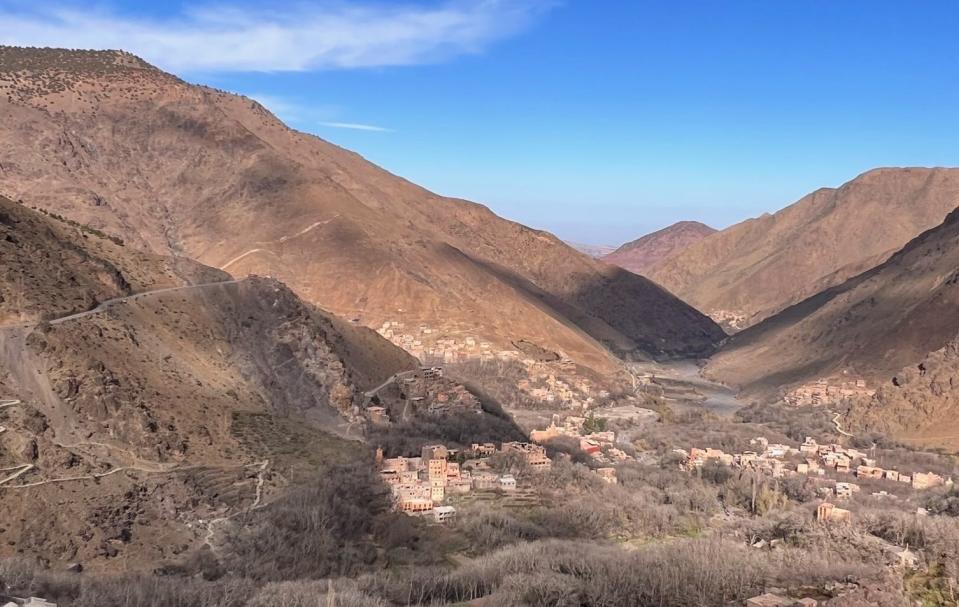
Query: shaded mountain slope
x=108 y=141
x=919 y=406
x=870 y=326
x=181 y=389
x=754 y=269
x=642 y=254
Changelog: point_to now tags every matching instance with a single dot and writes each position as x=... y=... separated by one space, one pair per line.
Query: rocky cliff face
x=757 y=268
x=104 y=139
x=641 y=255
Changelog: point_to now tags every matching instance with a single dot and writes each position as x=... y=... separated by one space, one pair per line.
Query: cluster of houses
x=429 y=392
x=434 y=346
x=770 y=599
x=822 y=392
x=544 y=386
x=421 y=485
x=735 y=320
x=425 y=391
x=810 y=458
x=598 y=445
x=426 y=343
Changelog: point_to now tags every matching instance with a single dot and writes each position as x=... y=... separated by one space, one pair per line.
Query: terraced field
x=295 y=448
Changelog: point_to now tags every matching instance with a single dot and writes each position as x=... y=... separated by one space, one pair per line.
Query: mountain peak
x=642 y=254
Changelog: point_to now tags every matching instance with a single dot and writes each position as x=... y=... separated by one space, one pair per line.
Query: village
x=433 y=346
x=429 y=344
x=422 y=391
x=816 y=460
x=823 y=392
x=422 y=485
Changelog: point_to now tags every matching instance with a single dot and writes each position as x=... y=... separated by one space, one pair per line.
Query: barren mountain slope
x=185 y=390
x=870 y=326
x=761 y=266
x=641 y=255
x=107 y=140
x=920 y=405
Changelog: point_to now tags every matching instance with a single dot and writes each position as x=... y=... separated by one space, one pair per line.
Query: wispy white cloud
x=326 y=35
x=356 y=127
x=310 y=115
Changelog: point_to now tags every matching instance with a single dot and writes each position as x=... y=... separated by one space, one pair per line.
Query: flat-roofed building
x=444 y=514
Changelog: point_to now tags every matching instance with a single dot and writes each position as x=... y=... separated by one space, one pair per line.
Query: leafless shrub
x=315 y=531
x=692 y=573
x=30 y=578
x=939 y=535
x=313 y=594
x=487 y=529
x=155 y=591
x=24 y=578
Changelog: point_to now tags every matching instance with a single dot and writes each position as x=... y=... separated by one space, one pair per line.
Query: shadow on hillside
x=628 y=314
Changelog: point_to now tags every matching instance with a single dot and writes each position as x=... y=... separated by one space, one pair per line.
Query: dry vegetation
x=658 y=537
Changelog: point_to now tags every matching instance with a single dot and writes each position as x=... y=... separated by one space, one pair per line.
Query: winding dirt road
x=11 y=355
x=109 y=303
x=835 y=421
x=281 y=240
x=389 y=380
x=212 y=525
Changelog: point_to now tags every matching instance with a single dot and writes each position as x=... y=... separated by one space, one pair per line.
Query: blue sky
x=599 y=121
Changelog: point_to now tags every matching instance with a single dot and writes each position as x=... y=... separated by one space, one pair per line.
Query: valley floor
x=685 y=389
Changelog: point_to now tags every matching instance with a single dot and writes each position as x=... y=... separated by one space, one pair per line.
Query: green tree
x=594 y=424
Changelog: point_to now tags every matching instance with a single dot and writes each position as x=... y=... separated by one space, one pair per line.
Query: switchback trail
x=280 y=240
x=212 y=525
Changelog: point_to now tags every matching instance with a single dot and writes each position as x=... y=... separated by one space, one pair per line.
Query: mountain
x=757 y=268
x=143 y=396
x=869 y=327
x=109 y=141
x=593 y=250
x=639 y=255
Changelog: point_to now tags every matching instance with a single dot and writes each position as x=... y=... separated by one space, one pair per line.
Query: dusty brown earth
x=870 y=326
x=643 y=254
x=919 y=405
x=761 y=266
x=156 y=396
x=107 y=140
